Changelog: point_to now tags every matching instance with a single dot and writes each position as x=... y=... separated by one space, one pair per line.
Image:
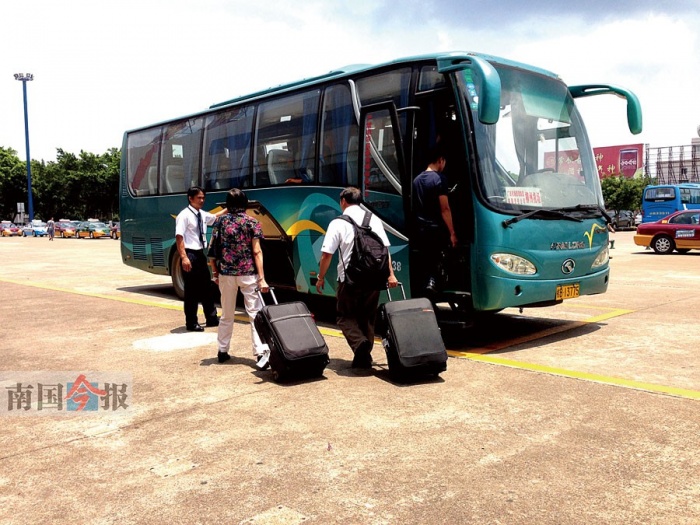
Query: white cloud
x=100 y=71
x=654 y=56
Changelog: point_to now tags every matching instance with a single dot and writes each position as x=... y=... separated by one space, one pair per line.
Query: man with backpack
x=362 y=272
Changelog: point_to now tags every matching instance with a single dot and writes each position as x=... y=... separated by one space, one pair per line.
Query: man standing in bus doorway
x=356 y=306
x=434 y=228
x=190 y=239
x=237 y=263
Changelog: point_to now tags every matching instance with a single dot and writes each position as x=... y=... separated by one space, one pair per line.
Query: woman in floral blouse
x=236 y=259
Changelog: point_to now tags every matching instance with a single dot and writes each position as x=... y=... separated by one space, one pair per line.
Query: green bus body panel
x=303 y=213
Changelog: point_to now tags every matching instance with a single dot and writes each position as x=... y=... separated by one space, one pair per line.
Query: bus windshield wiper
x=543 y=213
x=593 y=207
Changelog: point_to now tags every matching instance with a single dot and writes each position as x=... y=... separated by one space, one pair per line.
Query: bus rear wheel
x=176 y=276
x=663 y=244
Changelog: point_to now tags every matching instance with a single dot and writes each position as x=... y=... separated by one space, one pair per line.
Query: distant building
x=665 y=165
x=674 y=164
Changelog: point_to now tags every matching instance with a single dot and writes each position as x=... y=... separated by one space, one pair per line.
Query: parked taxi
x=93 y=230
x=679 y=231
x=64 y=229
x=11 y=230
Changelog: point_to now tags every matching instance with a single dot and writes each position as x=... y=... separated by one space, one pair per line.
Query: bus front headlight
x=513 y=264
x=602 y=259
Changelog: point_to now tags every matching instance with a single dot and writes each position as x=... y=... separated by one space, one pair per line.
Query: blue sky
x=101 y=69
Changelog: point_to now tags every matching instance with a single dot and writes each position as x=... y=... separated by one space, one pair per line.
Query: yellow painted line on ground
x=614 y=312
x=476 y=354
x=617 y=381
x=243 y=318
x=92 y=294
x=524 y=339
x=617 y=312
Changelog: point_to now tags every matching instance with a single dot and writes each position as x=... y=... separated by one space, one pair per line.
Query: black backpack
x=369 y=261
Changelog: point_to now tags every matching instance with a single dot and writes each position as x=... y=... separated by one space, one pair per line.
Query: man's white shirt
x=186 y=224
x=341 y=234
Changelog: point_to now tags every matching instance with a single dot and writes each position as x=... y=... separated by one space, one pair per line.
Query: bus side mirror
x=489 y=88
x=634 y=108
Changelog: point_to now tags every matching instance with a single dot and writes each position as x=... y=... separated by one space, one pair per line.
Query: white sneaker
x=263 y=360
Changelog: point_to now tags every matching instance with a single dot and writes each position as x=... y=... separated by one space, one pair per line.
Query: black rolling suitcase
x=411 y=338
x=297 y=348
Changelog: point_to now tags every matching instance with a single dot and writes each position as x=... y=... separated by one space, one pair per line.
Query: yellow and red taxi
x=679 y=231
x=64 y=229
x=10 y=230
x=94 y=230
x=115 y=230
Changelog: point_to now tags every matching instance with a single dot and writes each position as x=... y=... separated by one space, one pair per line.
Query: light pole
x=24 y=77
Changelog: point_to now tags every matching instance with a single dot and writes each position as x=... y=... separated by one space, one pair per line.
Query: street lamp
x=24 y=77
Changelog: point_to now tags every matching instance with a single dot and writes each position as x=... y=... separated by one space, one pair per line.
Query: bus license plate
x=568 y=291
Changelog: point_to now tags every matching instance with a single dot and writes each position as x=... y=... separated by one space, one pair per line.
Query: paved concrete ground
x=583 y=413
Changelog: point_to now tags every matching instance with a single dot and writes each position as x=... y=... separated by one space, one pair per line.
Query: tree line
x=87 y=186
x=71 y=187
x=622 y=193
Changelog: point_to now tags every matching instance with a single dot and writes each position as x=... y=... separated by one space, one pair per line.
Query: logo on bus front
x=571 y=245
x=568 y=266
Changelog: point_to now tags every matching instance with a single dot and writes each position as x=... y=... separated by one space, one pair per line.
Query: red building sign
x=614 y=160
x=627 y=160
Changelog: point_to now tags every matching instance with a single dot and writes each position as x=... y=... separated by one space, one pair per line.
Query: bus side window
x=353 y=152
x=174 y=179
x=227 y=139
x=181 y=155
x=142 y=161
x=338 y=152
x=280 y=166
x=286 y=124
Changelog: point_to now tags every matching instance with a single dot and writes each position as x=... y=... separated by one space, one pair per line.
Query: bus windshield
x=537 y=155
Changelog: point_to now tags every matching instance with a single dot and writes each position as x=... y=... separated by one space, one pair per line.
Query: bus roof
x=679 y=185
x=350 y=70
x=360 y=68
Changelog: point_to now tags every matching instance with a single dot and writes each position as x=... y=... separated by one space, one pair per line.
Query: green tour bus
x=524 y=190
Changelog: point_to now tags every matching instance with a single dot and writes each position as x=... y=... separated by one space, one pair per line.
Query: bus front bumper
x=498 y=292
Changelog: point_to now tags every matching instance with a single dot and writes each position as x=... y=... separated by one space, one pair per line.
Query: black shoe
x=195 y=328
x=213 y=321
x=431 y=287
x=363 y=356
x=223 y=357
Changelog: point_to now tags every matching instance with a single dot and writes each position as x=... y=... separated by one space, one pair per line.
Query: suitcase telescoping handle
x=272 y=293
x=388 y=291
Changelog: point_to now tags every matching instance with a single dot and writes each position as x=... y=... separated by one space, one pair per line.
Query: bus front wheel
x=663 y=244
x=176 y=276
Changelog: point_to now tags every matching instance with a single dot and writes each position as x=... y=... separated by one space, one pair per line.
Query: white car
x=37 y=229
x=638 y=219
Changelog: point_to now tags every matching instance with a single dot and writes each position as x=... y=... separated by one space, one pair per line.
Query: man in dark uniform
x=190 y=238
x=434 y=228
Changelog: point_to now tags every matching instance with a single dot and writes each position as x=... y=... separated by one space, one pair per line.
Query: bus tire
x=176 y=276
x=663 y=244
